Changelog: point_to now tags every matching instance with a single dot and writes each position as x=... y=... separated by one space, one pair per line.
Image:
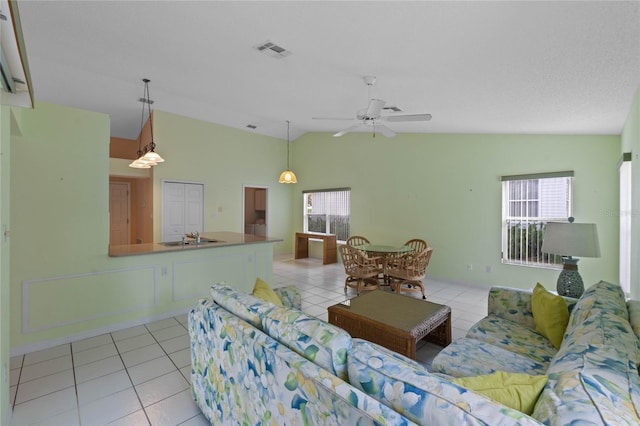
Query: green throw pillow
x=515 y=390
x=550 y=314
x=263 y=291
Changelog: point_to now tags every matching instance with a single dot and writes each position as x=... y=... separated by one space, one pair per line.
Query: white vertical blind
x=327 y=211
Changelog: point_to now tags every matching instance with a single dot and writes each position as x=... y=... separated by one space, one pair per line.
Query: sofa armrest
x=290 y=296
x=511 y=304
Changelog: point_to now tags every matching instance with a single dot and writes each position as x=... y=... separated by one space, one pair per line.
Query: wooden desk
x=329 y=246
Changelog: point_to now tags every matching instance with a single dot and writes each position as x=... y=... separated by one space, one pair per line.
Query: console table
x=329 y=246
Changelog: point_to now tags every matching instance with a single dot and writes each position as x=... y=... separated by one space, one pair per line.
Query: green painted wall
x=631 y=143
x=63 y=284
x=224 y=159
x=446 y=189
x=5 y=155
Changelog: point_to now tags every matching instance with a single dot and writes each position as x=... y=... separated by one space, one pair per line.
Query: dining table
x=385 y=253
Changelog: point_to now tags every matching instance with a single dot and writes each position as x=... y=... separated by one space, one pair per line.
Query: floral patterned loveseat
x=254 y=363
x=592 y=377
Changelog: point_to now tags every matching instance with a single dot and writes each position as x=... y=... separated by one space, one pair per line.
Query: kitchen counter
x=224 y=239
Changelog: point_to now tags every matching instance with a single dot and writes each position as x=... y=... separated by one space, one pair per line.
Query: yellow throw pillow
x=515 y=390
x=550 y=314
x=263 y=291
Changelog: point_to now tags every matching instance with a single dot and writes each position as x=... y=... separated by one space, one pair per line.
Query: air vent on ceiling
x=392 y=108
x=273 y=50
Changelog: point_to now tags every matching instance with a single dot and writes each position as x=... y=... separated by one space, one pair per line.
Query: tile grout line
x=75 y=383
x=15 y=397
x=126 y=370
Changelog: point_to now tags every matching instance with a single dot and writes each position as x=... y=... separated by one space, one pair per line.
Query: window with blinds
x=528 y=203
x=327 y=211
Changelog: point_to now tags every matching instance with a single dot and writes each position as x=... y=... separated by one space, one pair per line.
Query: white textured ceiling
x=478 y=67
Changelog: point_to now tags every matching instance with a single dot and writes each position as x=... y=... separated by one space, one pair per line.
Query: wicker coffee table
x=393 y=321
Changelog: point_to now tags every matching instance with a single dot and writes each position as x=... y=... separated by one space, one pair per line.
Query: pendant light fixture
x=147 y=156
x=288 y=176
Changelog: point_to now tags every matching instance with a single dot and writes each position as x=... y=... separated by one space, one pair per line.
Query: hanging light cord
x=152 y=145
x=146 y=81
x=288 y=156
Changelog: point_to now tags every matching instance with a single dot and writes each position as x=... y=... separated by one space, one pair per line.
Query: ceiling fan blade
x=347 y=130
x=408 y=117
x=384 y=130
x=333 y=118
x=374 y=108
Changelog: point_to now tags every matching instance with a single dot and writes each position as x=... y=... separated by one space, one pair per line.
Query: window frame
x=330 y=212
x=533 y=234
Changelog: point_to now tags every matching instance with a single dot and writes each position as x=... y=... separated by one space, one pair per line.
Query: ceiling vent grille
x=273 y=50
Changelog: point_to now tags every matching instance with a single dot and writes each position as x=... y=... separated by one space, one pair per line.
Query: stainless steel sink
x=203 y=241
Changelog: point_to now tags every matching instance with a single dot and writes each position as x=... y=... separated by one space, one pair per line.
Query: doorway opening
x=256 y=207
x=132 y=222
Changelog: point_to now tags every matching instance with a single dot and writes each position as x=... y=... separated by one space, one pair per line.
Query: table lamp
x=567 y=240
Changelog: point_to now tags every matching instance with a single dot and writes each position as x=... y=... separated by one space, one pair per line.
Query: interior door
x=119 y=212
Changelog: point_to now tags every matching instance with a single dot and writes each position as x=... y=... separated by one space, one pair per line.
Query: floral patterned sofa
x=254 y=363
x=592 y=376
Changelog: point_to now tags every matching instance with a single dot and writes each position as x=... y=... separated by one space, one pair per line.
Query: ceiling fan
x=371 y=116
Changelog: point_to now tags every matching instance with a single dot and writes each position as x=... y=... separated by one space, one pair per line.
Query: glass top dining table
x=383 y=249
x=385 y=253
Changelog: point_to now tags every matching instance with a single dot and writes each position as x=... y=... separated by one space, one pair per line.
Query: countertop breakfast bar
x=210 y=240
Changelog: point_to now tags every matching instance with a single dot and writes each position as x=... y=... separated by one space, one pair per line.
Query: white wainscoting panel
x=61 y=301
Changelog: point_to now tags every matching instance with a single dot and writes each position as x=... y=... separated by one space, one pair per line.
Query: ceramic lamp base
x=570 y=282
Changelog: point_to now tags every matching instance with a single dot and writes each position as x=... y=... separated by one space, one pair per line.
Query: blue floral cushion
x=592 y=394
x=290 y=296
x=244 y=305
x=424 y=398
x=241 y=376
x=314 y=339
x=633 y=306
x=594 y=376
x=470 y=357
x=513 y=337
x=515 y=305
x=601 y=296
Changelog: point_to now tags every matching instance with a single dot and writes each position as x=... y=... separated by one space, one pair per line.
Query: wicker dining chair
x=357 y=240
x=409 y=269
x=417 y=245
x=362 y=271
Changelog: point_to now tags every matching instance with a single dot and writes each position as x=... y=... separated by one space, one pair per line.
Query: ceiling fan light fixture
x=371 y=117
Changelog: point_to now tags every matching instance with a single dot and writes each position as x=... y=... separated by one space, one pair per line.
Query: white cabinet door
x=182 y=209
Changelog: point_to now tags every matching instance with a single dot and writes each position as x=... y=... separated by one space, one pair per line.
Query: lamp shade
x=288 y=177
x=571 y=239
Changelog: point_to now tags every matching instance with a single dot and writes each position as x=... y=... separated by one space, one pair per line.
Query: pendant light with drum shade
x=288 y=176
x=147 y=156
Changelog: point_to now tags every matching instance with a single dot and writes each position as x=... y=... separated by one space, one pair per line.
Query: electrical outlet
x=470 y=266
x=488 y=269
x=163 y=271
